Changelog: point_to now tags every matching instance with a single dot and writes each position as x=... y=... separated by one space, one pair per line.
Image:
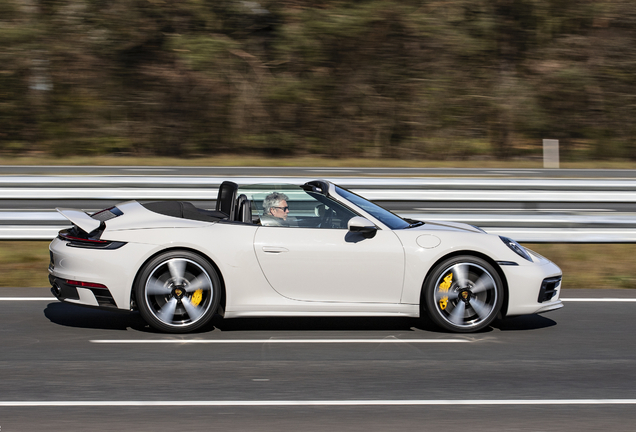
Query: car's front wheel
x=178 y=292
x=463 y=294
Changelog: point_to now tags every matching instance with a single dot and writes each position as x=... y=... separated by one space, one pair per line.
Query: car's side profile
x=336 y=254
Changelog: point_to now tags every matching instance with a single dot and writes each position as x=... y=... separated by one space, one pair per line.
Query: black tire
x=463 y=294
x=178 y=292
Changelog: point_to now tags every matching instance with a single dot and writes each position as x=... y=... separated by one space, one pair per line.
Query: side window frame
x=317 y=210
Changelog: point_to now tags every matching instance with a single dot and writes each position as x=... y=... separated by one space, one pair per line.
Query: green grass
x=236 y=160
x=25 y=263
x=592 y=265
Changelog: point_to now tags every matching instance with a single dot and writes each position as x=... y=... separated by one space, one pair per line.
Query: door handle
x=274 y=249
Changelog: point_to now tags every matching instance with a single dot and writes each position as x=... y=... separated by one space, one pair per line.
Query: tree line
x=427 y=79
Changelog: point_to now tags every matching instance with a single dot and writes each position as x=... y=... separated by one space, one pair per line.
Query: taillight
x=79 y=239
x=66 y=235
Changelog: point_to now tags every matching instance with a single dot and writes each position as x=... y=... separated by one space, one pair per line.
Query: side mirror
x=358 y=224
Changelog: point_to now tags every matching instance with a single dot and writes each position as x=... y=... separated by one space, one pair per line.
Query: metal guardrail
x=530 y=226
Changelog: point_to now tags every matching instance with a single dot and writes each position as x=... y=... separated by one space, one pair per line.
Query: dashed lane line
x=599 y=299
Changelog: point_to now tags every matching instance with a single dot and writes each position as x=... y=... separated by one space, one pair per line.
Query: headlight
x=516 y=248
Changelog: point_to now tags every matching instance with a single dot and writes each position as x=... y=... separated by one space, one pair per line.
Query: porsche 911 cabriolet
x=316 y=249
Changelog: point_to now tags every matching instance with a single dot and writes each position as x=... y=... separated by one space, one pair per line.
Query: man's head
x=275 y=204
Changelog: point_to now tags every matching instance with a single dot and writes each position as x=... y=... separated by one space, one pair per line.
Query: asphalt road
x=506 y=378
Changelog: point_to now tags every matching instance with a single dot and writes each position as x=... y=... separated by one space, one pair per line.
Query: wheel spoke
x=484 y=283
x=155 y=287
x=201 y=282
x=167 y=311
x=452 y=295
x=460 y=271
x=177 y=269
x=194 y=312
x=480 y=307
x=457 y=315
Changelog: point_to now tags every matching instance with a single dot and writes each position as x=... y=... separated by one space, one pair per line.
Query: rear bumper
x=98 y=277
x=66 y=291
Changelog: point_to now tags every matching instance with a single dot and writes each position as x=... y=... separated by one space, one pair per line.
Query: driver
x=275 y=209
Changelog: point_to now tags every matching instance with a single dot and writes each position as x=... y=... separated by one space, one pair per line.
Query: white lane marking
x=599 y=299
x=264 y=341
x=322 y=402
x=27 y=298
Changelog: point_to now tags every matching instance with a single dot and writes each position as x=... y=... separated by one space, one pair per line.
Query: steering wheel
x=328 y=218
x=325 y=214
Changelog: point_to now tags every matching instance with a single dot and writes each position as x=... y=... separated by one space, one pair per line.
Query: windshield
x=391 y=220
x=292 y=206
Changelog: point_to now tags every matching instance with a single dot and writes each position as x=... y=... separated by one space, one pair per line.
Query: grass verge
x=592 y=265
x=315 y=161
x=25 y=263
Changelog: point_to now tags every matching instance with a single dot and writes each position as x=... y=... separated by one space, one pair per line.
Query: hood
x=449 y=226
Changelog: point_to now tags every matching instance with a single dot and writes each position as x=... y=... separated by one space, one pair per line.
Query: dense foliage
x=378 y=78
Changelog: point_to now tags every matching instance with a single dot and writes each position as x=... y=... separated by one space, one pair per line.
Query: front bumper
x=533 y=288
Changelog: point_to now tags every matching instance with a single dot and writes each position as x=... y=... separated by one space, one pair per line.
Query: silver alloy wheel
x=466 y=296
x=178 y=292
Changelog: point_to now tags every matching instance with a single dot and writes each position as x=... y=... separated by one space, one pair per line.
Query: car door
x=326 y=262
x=312 y=264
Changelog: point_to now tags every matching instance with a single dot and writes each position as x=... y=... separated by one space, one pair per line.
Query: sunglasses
x=286 y=208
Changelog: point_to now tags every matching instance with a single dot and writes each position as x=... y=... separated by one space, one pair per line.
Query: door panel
x=314 y=264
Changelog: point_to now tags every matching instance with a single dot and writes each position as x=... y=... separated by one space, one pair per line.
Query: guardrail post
x=550 y=153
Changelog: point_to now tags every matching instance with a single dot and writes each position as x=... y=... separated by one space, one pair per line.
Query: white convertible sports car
x=335 y=254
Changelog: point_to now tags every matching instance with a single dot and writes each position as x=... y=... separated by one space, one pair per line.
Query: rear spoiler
x=80 y=218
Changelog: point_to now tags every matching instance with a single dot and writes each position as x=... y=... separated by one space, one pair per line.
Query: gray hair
x=272 y=200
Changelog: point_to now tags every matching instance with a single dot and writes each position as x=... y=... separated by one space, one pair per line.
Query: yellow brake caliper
x=197 y=296
x=444 y=287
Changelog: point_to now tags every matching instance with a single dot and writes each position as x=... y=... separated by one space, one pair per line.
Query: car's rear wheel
x=178 y=292
x=463 y=294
